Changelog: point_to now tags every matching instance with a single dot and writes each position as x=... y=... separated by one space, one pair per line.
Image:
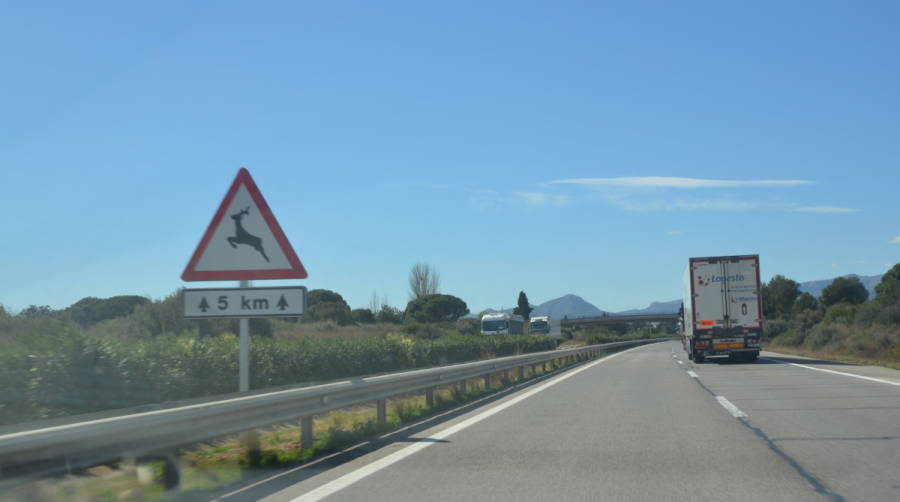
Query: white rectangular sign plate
x=245 y=302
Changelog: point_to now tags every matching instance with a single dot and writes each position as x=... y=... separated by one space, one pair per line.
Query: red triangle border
x=297 y=271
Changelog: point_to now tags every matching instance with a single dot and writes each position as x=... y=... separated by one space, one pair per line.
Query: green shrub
x=774 y=328
x=362 y=316
x=788 y=339
x=819 y=337
x=436 y=308
x=842 y=313
x=90 y=310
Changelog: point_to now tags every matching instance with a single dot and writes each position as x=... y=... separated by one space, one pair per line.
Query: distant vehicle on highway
x=502 y=324
x=545 y=325
x=722 y=312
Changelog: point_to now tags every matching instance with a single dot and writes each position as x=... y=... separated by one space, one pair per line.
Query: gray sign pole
x=244 y=358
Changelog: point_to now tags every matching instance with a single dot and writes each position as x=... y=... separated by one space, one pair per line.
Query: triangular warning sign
x=243 y=241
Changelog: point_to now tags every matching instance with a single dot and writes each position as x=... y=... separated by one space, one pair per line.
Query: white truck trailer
x=722 y=308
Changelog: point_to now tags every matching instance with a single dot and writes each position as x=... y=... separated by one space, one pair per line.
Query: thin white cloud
x=676 y=182
x=654 y=193
x=647 y=204
x=675 y=232
x=713 y=205
x=541 y=199
x=823 y=209
x=560 y=200
x=895 y=240
x=533 y=198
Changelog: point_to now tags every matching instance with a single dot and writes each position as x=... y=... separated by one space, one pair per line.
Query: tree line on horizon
x=427 y=305
x=842 y=320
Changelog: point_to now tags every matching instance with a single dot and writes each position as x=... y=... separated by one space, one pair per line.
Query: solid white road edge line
x=873 y=379
x=734 y=410
x=693 y=375
x=348 y=479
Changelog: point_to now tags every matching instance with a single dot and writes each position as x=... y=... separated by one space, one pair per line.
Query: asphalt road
x=645 y=424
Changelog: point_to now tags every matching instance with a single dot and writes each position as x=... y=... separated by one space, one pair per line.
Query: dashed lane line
x=734 y=410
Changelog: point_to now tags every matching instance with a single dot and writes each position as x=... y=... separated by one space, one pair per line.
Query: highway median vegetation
x=54 y=366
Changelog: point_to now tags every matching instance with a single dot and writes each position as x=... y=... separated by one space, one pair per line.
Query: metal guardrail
x=158 y=433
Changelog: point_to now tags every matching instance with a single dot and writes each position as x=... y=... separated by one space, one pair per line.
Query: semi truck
x=545 y=325
x=722 y=309
x=502 y=324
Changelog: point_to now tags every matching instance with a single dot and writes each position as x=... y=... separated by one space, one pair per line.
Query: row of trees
x=782 y=298
x=842 y=320
x=137 y=315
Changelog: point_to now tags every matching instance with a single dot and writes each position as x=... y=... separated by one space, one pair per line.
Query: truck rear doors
x=726 y=294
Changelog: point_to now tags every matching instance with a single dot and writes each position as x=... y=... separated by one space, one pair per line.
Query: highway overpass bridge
x=610 y=320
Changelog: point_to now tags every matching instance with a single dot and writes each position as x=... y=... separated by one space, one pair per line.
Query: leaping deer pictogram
x=242 y=236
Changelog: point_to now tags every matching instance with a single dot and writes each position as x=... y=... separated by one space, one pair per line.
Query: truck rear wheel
x=698 y=358
x=751 y=358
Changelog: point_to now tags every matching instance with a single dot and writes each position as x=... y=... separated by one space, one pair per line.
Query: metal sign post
x=244 y=358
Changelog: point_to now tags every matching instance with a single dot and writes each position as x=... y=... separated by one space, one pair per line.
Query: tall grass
x=46 y=371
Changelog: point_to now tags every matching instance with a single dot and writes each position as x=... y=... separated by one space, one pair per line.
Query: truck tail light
x=701 y=344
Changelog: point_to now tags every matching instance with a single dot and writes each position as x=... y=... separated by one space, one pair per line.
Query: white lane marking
x=680 y=362
x=734 y=410
x=348 y=479
x=872 y=379
x=693 y=375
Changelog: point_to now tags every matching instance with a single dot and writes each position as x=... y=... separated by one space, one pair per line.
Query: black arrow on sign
x=203 y=305
x=282 y=303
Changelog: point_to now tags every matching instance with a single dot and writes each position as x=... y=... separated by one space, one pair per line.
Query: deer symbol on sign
x=241 y=236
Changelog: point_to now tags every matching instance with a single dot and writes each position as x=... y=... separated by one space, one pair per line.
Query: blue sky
x=555 y=147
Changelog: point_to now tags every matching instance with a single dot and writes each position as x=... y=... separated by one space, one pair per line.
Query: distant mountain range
x=815 y=287
x=567 y=305
x=575 y=306
x=670 y=307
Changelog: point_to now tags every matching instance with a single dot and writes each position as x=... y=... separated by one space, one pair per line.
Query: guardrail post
x=171 y=471
x=429 y=397
x=521 y=372
x=306 y=432
x=487 y=382
x=382 y=411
